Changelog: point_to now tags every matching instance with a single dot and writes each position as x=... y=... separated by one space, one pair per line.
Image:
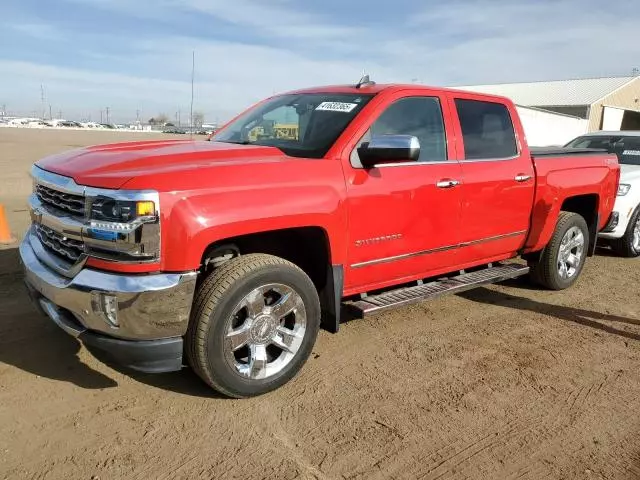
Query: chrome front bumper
x=149 y=307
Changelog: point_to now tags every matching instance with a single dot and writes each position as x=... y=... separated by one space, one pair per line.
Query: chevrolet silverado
x=230 y=254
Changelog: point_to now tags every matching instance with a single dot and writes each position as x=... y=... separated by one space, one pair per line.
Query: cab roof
x=389 y=87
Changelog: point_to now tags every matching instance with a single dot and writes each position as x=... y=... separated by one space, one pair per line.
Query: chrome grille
x=65 y=247
x=68 y=202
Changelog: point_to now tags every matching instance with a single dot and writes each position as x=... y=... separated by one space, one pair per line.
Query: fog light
x=107 y=305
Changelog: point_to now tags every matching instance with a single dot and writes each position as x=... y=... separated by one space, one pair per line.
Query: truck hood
x=111 y=166
x=629 y=173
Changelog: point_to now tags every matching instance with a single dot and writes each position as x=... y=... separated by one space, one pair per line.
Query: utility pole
x=193 y=69
x=100 y=116
x=179 y=119
x=50 y=115
x=42 y=99
x=107 y=108
x=137 y=115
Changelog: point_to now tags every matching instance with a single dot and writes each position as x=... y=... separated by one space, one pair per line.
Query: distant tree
x=159 y=119
x=198 y=119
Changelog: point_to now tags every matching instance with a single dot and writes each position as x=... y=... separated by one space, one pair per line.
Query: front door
x=403 y=217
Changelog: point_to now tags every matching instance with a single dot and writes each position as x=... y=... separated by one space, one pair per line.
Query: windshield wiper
x=240 y=142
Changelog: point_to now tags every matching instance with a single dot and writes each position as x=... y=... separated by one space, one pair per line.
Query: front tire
x=254 y=322
x=629 y=244
x=562 y=260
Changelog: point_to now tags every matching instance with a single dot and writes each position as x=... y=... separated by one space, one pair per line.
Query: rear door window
x=487 y=130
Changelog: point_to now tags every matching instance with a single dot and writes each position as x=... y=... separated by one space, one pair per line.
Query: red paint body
x=211 y=191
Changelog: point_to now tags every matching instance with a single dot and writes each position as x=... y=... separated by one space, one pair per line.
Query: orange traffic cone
x=5 y=234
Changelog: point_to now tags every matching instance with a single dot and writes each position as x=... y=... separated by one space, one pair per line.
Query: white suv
x=622 y=231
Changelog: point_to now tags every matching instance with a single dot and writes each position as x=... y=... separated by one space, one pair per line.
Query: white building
x=582 y=105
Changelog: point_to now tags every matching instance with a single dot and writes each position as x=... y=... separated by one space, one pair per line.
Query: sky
x=134 y=56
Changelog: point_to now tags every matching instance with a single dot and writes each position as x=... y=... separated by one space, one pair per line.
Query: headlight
x=121 y=211
x=123 y=226
x=623 y=189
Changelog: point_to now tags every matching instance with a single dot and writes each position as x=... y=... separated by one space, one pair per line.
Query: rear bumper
x=137 y=320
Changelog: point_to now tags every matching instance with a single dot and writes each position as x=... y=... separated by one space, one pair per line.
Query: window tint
x=417 y=116
x=593 y=142
x=626 y=148
x=487 y=130
x=301 y=125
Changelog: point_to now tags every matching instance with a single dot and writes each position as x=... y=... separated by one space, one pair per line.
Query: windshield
x=627 y=148
x=301 y=125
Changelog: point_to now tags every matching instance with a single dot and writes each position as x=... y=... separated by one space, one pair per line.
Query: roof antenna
x=364 y=80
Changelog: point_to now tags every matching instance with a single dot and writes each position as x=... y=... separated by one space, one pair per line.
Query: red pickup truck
x=233 y=252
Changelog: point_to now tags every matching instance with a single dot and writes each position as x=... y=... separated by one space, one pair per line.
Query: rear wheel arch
x=560 y=263
x=587 y=206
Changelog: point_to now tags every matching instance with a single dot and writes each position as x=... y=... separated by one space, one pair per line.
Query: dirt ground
x=505 y=382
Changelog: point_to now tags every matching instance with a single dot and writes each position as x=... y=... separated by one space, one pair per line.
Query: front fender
x=194 y=220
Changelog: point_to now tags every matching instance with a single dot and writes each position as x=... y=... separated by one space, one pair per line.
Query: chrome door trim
x=481 y=160
x=434 y=250
x=414 y=164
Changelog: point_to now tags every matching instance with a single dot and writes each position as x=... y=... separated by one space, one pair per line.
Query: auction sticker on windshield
x=337 y=106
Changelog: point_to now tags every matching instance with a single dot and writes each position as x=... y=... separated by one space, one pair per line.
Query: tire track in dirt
x=524 y=433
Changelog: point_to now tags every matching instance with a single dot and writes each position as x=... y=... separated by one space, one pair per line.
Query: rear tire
x=629 y=244
x=561 y=262
x=254 y=322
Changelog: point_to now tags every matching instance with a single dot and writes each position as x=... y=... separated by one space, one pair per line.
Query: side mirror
x=389 y=149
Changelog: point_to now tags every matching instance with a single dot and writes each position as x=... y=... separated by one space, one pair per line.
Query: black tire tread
x=541 y=270
x=210 y=293
x=622 y=246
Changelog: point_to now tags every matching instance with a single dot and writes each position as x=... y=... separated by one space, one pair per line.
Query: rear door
x=498 y=178
x=403 y=217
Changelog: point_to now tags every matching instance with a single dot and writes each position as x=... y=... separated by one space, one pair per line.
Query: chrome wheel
x=635 y=241
x=265 y=331
x=570 y=253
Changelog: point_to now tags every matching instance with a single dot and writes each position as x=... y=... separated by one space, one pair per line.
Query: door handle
x=447 y=183
x=522 y=178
